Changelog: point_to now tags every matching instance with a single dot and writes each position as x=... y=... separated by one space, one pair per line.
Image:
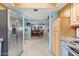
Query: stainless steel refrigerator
x=11 y=30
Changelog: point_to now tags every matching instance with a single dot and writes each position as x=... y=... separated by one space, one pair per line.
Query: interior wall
x=53 y=16
x=27 y=30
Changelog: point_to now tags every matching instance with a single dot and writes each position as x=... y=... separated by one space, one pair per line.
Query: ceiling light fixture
x=35 y=10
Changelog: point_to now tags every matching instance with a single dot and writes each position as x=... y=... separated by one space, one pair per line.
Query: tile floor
x=36 y=46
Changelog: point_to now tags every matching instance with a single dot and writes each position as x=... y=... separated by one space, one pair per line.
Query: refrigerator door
x=12 y=34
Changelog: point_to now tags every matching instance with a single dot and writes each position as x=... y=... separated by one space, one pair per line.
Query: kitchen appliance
x=12 y=33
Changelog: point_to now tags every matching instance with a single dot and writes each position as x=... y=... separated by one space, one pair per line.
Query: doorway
x=36 y=32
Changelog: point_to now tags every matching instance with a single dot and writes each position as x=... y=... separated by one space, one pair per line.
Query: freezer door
x=20 y=35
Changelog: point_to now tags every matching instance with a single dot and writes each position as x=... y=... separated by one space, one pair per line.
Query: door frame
x=50 y=31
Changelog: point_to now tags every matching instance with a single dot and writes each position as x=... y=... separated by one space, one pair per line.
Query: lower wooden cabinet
x=56 y=37
x=64 y=49
x=61 y=28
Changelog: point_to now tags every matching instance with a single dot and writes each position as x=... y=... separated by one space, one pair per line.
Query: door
x=19 y=24
x=12 y=34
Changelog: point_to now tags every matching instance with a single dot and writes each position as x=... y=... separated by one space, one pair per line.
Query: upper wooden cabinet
x=71 y=10
x=75 y=15
x=65 y=11
x=2 y=7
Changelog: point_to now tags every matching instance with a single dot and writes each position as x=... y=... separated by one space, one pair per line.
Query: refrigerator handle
x=17 y=35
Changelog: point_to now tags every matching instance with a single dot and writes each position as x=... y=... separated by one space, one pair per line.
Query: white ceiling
x=37 y=16
x=59 y=6
x=41 y=14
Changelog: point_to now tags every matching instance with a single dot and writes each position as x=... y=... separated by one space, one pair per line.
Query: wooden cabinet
x=61 y=28
x=64 y=49
x=65 y=12
x=2 y=7
x=71 y=10
x=66 y=30
x=75 y=15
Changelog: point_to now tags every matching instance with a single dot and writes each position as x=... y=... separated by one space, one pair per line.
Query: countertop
x=68 y=39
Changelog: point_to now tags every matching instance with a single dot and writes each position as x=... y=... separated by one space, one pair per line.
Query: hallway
x=36 y=47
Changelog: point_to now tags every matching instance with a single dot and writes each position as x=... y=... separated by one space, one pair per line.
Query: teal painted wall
x=27 y=30
x=53 y=16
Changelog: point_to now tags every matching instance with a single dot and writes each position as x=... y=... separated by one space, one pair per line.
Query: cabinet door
x=56 y=37
x=64 y=50
x=74 y=14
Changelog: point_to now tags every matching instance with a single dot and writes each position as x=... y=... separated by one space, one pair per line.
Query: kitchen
x=66 y=31
x=63 y=25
